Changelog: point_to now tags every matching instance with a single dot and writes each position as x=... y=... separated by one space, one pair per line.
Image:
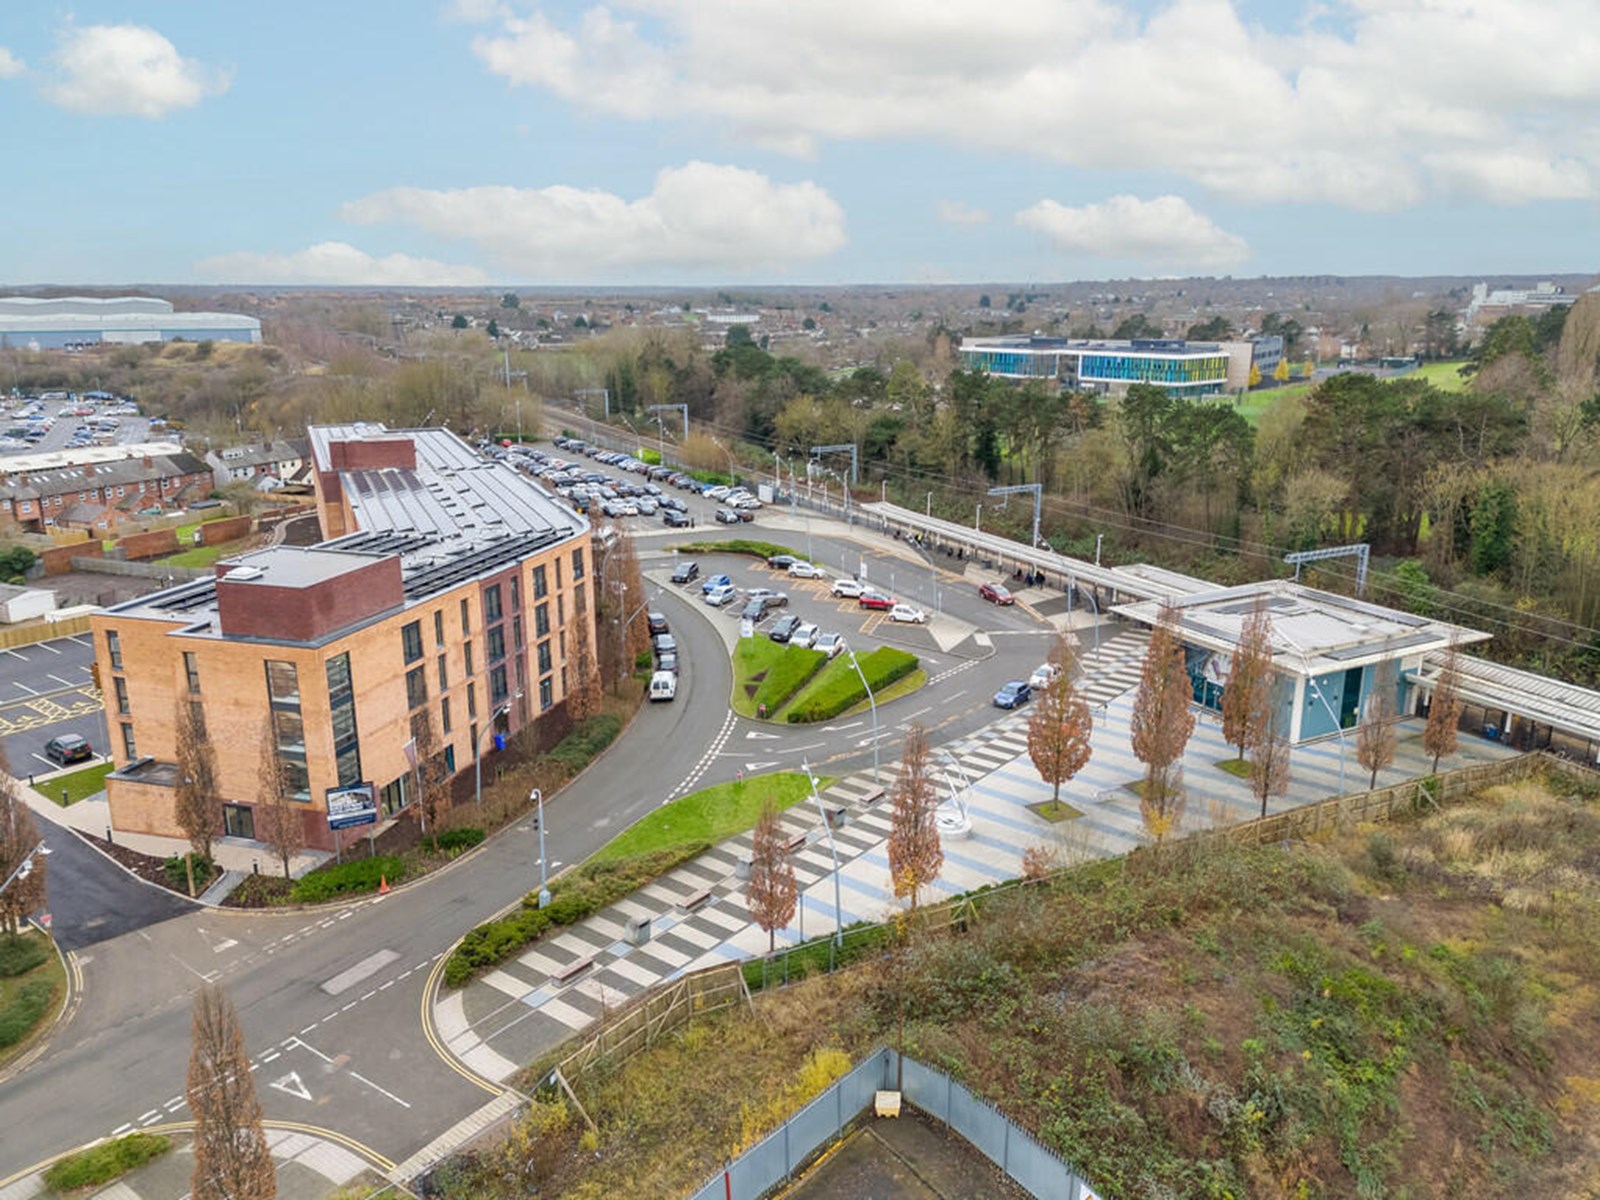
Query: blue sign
x=499 y=741
x=352 y=806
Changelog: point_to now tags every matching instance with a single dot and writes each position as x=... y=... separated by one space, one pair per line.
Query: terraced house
x=440 y=611
x=101 y=495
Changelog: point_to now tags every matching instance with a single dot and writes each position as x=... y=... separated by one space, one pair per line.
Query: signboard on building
x=351 y=806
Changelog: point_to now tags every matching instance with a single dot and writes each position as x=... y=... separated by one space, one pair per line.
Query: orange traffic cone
x=383 y=884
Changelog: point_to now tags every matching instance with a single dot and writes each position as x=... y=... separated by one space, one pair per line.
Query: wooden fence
x=42 y=632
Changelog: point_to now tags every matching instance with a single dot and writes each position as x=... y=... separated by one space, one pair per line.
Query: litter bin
x=638 y=930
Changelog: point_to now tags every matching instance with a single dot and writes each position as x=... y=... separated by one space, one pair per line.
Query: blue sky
x=697 y=141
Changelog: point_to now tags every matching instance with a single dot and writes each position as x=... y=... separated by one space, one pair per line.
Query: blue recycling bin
x=499 y=741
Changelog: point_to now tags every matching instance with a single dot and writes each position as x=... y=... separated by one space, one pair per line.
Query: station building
x=440 y=610
x=80 y=322
x=1182 y=368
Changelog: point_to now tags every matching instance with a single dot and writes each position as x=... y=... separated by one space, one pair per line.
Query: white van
x=663 y=686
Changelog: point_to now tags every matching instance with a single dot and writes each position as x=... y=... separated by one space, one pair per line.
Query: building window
x=444 y=676
x=438 y=627
x=516 y=632
x=411 y=640
x=541 y=589
x=497 y=643
x=191 y=668
x=416 y=687
x=472 y=735
x=522 y=675
x=466 y=621
x=122 y=695
x=114 y=649
x=197 y=714
x=283 y=682
x=238 y=820
x=395 y=795
x=497 y=686
x=128 y=747
x=546 y=693
x=563 y=681
x=472 y=701
x=342 y=707
x=561 y=609
x=558 y=574
x=444 y=714
x=544 y=657
x=579 y=600
x=467 y=651
x=541 y=621
x=491 y=604
x=516 y=594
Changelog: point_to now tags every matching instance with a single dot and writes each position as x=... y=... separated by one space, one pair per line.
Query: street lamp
x=838 y=905
x=536 y=798
x=25 y=868
x=872 y=702
x=477 y=751
x=977 y=520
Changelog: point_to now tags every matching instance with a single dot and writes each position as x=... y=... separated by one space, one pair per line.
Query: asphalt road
x=92 y=899
x=45 y=691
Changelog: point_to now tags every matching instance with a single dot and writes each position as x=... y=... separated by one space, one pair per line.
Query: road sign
x=351 y=806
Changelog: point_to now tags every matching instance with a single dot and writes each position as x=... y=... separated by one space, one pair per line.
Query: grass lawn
x=1255 y=404
x=841 y=665
x=78 y=785
x=50 y=971
x=1235 y=767
x=711 y=814
x=201 y=556
x=752 y=658
x=1446 y=376
x=1055 y=811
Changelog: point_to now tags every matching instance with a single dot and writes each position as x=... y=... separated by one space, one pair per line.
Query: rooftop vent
x=244 y=574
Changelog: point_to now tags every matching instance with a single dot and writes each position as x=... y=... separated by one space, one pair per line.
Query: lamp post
x=872 y=702
x=977 y=520
x=929 y=512
x=477 y=752
x=838 y=905
x=25 y=868
x=536 y=798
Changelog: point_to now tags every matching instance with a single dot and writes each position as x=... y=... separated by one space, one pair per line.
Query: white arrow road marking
x=224 y=944
x=762 y=766
x=755 y=734
x=841 y=728
x=291 y=1084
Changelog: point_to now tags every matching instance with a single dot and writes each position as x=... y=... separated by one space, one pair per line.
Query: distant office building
x=1111 y=366
x=1488 y=305
x=80 y=322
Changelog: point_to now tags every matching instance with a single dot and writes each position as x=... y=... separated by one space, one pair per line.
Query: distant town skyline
x=647 y=143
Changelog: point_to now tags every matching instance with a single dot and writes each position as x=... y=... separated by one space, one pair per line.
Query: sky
x=647 y=142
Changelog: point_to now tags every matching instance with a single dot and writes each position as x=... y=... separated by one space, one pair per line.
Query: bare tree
x=1375 y=736
x=1444 y=708
x=1161 y=725
x=915 y=855
x=621 y=597
x=772 y=892
x=1249 y=675
x=277 y=818
x=625 y=570
x=583 y=697
x=433 y=786
x=1058 y=731
x=197 y=802
x=18 y=836
x=231 y=1159
x=1269 y=757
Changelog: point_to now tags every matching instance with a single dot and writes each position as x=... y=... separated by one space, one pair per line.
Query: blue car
x=1013 y=695
x=715 y=582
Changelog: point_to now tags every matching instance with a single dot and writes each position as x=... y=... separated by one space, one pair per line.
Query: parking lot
x=46 y=690
x=39 y=427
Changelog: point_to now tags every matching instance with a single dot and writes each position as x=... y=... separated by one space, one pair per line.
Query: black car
x=783 y=627
x=753 y=610
x=686 y=572
x=782 y=562
x=68 y=748
x=657 y=622
x=673 y=519
x=668 y=662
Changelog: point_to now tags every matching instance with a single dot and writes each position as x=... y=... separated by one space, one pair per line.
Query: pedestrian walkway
x=697 y=916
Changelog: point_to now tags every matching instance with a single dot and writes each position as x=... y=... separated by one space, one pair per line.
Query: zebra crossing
x=1113 y=668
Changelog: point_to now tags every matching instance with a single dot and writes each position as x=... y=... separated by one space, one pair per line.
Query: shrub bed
x=833 y=696
x=793 y=670
x=177 y=872
x=27 y=1006
x=578 y=748
x=457 y=840
x=572 y=898
x=345 y=879
x=739 y=546
x=105 y=1162
x=21 y=954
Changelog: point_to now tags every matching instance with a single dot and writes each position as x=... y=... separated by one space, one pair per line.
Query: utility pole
x=1038 y=496
x=682 y=408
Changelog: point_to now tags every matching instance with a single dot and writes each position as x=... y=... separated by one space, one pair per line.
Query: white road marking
x=379 y=1090
x=755 y=734
x=841 y=728
x=120 y=1130
x=25 y=688
x=303 y=1046
x=63 y=682
x=15 y=654
x=47 y=646
x=149 y=1116
x=291 y=1085
x=224 y=944
x=762 y=766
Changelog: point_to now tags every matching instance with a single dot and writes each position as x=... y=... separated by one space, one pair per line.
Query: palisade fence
x=823 y=1121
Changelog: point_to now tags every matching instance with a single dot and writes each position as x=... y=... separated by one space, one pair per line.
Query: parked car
x=829 y=643
x=1014 y=695
x=716 y=581
x=753 y=610
x=1043 y=676
x=876 y=601
x=663 y=686
x=742 y=514
x=805 y=570
x=908 y=614
x=673 y=519
x=804 y=635
x=657 y=622
x=996 y=593
x=686 y=572
x=668 y=662
x=716 y=491
x=727 y=516
x=784 y=627
x=664 y=643
x=782 y=562
x=768 y=597
x=720 y=595
x=68 y=748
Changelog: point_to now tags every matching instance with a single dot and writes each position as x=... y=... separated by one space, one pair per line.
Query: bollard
x=255 y=867
x=63 y=797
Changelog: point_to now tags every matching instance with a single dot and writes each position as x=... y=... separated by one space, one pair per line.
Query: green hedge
x=581 y=745
x=649 y=457
x=750 y=546
x=572 y=898
x=793 y=670
x=344 y=879
x=177 y=872
x=460 y=839
x=21 y=954
x=105 y=1162
x=844 y=691
x=30 y=1003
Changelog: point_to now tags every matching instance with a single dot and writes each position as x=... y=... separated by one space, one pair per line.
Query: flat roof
x=294 y=566
x=52 y=460
x=1313 y=632
x=1152 y=346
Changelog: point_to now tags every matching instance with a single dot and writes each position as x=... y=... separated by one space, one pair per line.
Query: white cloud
x=953 y=212
x=336 y=263
x=10 y=65
x=127 y=70
x=1368 y=103
x=475 y=12
x=1164 y=233
x=697 y=217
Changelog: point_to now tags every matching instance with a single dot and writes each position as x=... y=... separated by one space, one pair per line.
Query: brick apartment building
x=446 y=593
x=101 y=495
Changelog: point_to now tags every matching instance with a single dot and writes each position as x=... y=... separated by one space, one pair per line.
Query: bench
x=796 y=842
x=872 y=797
x=695 y=900
x=573 y=969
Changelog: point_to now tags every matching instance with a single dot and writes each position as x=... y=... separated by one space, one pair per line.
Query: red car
x=876 y=600
x=996 y=593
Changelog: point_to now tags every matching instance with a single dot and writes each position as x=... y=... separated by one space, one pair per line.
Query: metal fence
x=141 y=570
x=778 y=1156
